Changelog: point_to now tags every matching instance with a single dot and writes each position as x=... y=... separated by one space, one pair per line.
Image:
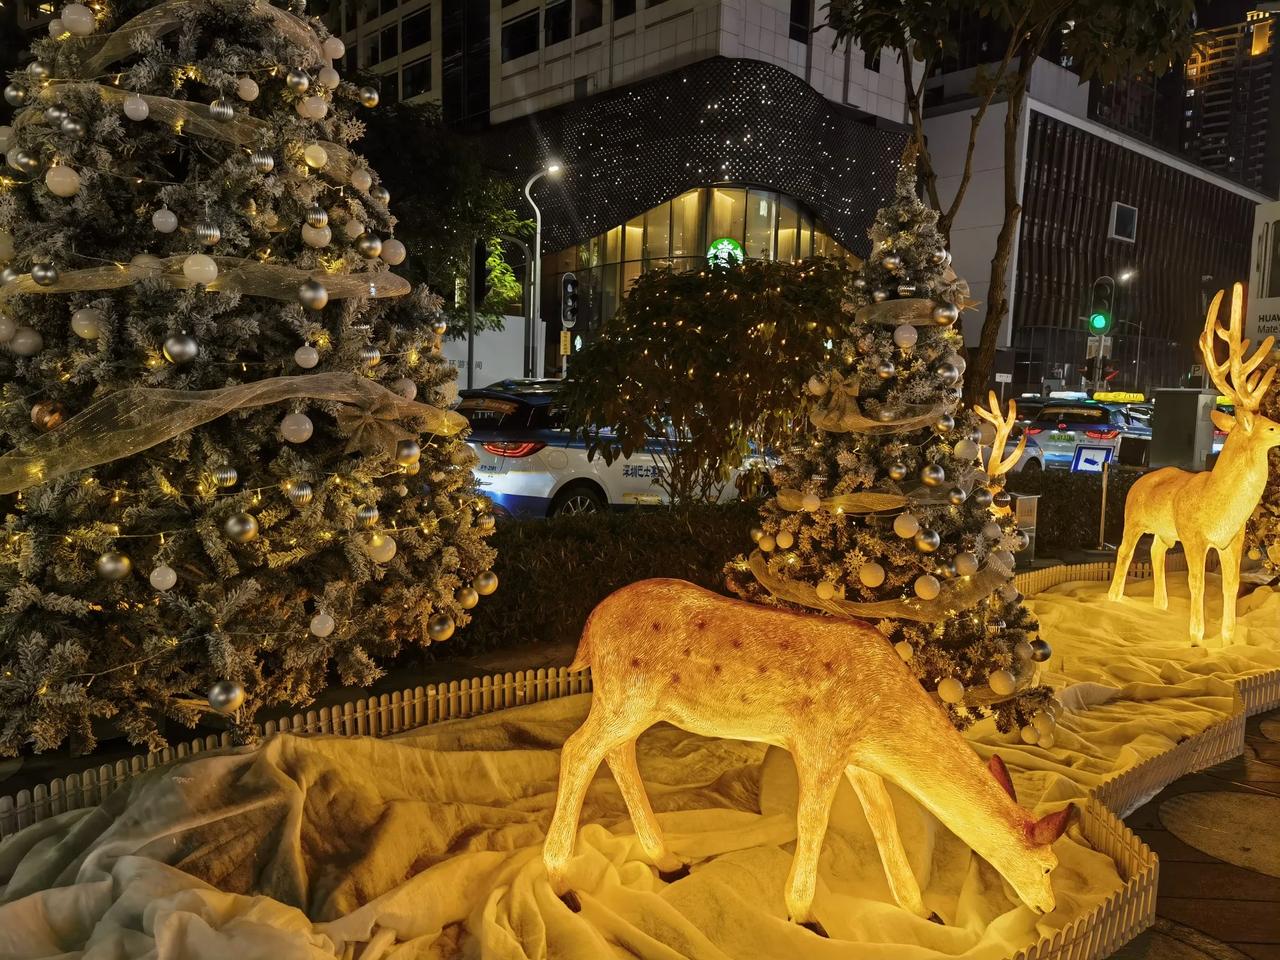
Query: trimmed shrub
x=1069 y=506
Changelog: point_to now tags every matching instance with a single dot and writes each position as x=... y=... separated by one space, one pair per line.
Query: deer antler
x=997 y=462
x=1237 y=377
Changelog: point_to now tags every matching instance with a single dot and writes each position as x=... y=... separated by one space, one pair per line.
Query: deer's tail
x=582 y=659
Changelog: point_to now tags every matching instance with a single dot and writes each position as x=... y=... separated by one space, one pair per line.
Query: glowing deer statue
x=1208 y=509
x=829 y=690
x=1003 y=424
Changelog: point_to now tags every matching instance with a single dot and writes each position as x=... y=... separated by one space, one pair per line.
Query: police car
x=531 y=466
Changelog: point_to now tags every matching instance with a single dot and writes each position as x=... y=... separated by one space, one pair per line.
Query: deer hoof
x=671 y=876
x=570 y=900
x=815 y=927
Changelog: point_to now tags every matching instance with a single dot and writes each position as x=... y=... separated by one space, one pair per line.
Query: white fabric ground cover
x=427 y=845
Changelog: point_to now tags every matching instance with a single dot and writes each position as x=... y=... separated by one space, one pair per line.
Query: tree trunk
x=982 y=360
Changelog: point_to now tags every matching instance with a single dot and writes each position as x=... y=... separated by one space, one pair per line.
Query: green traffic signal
x=1098 y=322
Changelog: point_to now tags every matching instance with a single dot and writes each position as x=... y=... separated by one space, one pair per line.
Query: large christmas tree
x=884 y=512
x=228 y=479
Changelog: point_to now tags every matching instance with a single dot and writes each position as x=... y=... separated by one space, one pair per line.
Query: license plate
x=1062 y=436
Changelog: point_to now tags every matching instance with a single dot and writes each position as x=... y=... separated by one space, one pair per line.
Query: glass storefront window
x=727 y=215
x=613 y=245
x=788 y=227
x=657 y=234
x=806 y=237
x=762 y=209
x=686 y=219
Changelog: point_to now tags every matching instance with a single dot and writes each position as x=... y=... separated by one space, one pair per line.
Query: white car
x=530 y=466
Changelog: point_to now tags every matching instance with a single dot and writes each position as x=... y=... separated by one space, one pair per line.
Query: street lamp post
x=531 y=328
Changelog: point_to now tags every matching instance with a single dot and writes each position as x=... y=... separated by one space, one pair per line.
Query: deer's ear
x=1050 y=827
x=1001 y=773
x=1223 y=421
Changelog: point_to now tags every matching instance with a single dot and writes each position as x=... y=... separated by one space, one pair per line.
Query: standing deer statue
x=1208 y=509
x=829 y=690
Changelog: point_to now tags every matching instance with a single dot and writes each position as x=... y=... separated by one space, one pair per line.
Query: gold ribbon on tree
x=129 y=421
x=235 y=275
x=839 y=412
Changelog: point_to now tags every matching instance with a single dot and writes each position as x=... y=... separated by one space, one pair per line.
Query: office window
x=590 y=15
x=386 y=6
x=1124 y=222
x=369 y=51
x=349 y=16
x=623 y=8
x=871 y=60
x=416 y=78
x=520 y=36
x=416 y=29
x=390 y=41
x=557 y=22
x=801 y=22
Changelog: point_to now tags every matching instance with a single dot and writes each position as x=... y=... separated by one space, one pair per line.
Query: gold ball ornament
x=485 y=582
x=945 y=314
x=440 y=628
x=467 y=597
x=367 y=515
x=114 y=565
x=439 y=326
x=368 y=97
x=369 y=245
x=784 y=539
x=766 y=544
x=298 y=80
x=407 y=452
x=225 y=476
x=932 y=475
x=825 y=590
x=927 y=541
x=370 y=356
x=316 y=216
x=241 y=527
x=950 y=690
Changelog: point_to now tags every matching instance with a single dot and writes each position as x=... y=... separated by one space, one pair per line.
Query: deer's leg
x=818 y=777
x=1196 y=554
x=1124 y=556
x=579 y=759
x=622 y=761
x=884 y=828
x=1159 y=592
x=1229 y=559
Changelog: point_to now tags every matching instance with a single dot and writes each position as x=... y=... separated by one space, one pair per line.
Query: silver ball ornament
x=226 y=476
x=897 y=472
x=114 y=565
x=440 y=627
x=368 y=97
x=947 y=373
x=15 y=95
x=22 y=161
x=38 y=69
x=367 y=515
x=299 y=493
x=886 y=369
x=226 y=696
x=73 y=128
x=181 y=348
x=932 y=474
x=944 y=424
x=207 y=233
x=981 y=496
x=956 y=496
x=927 y=541
x=313 y=295
x=1040 y=650
x=8 y=275
x=369 y=245
x=45 y=274
x=55 y=113
x=407 y=452
x=945 y=314
x=317 y=216
x=262 y=161
x=370 y=356
x=241 y=527
x=892 y=262
x=298 y=80
x=222 y=109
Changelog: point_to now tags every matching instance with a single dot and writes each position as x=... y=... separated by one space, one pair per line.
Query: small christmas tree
x=884 y=513
x=220 y=492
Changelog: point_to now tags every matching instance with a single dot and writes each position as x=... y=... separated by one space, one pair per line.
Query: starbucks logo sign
x=725 y=252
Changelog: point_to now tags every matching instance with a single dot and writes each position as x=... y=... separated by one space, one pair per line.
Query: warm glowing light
x=1209 y=508
x=665 y=650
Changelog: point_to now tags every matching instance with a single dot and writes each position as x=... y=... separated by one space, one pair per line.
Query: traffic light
x=481 y=276
x=568 y=301
x=1101 y=306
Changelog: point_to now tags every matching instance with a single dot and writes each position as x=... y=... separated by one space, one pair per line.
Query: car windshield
x=1074 y=414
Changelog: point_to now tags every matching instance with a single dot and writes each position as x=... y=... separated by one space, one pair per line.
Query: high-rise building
x=678 y=123
x=1231 y=110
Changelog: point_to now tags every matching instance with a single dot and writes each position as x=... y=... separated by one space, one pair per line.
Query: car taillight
x=513 y=448
x=1102 y=434
x=1032 y=431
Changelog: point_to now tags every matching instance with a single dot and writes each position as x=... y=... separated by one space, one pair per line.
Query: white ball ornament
x=163 y=577
x=7 y=328
x=1029 y=735
x=147 y=264
x=966 y=564
x=1045 y=741
x=306 y=356
x=784 y=539
x=927 y=587
x=871 y=574
x=905 y=335
x=333 y=48
x=315 y=156
x=26 y=342
x=904 y=650
x=966 y=449
x=817 y=386
x=810 y=502
x=393 y=252
x=406 y=388
x=200 y=268
x=905 y=525
x=77 y=19
x=57 y=28
x=353 y=229
x=62 y=181
x=313 y=108
x=322 y=625
x=164 y=220
x=316 y=236
x=247 y=89
x=361 y=179
x=136 y=108
x=296 y=427
x=825 y=590
x=328 y=78
x=87 y=323
x=1001 y=682
x=766 y=543
x=380 y=547
x=950 y=690
x=1044 y=723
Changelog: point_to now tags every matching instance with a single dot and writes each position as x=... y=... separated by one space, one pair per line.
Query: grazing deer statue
x=829 y=690
x=1208 y=509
